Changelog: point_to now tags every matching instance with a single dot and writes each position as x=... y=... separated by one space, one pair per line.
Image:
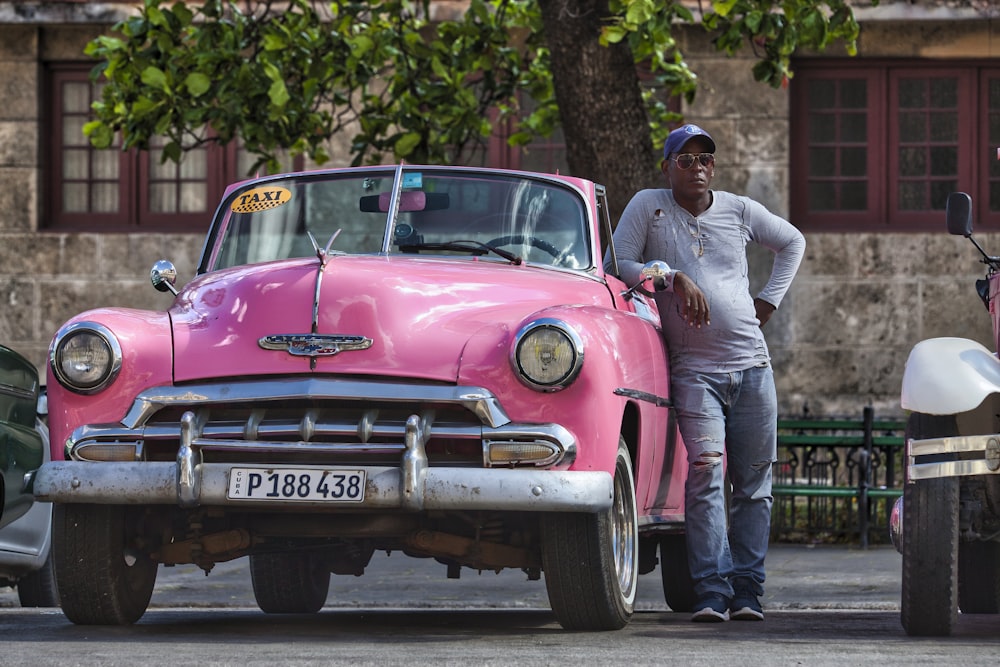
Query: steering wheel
x=521 y=239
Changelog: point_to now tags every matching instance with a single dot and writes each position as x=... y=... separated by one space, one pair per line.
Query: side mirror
x=655 y=269
x=958 y=213
x=650 y=270
x=163 y=275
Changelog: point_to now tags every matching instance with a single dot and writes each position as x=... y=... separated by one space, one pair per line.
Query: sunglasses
x=686 y=160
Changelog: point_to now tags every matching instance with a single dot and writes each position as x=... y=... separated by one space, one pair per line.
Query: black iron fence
x=836 y=480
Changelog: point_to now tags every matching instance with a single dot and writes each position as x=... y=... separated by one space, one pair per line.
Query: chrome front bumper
x=386 y=487
x=412 y=486
x=955 y=456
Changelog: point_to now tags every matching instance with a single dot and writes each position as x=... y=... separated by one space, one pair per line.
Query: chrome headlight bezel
x=568 y=367
x=110 y=366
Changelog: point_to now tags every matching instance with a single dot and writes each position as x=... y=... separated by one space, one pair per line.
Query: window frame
x=882 y=213
x=134 y=174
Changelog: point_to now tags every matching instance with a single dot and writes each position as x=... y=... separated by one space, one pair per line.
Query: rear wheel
x=289 y=583
x=929 y=602
x=678 y=588
x=38 y=588
x=591 y=560
x=102 y=577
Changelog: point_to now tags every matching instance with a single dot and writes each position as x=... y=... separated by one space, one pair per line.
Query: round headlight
x=86 y=357
x=547 y=354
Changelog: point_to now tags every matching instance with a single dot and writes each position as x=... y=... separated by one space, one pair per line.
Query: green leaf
x=278 y=94
x=406 y=143
x=723 y=7
x=197 y=83
x=154 y=77
x=100 y=134
x=172 y=151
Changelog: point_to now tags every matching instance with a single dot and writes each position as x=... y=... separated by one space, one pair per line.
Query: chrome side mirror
x=650 y=271
x=163 y=275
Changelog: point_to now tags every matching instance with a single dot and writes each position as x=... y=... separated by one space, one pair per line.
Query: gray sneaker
x=712 y=609
x=745 y=607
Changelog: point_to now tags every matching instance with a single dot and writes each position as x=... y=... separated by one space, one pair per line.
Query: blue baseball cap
x=676 y=139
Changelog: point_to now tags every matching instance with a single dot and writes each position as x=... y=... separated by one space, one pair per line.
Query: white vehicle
x=949 y=534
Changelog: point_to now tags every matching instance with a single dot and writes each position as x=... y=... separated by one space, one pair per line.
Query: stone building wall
x=47 y=277
x=860 y=300
x=839 y=341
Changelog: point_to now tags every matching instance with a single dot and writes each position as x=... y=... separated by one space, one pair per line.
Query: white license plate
x=303 y=484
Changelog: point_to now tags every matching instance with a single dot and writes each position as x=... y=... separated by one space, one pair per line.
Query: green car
x=21 y=445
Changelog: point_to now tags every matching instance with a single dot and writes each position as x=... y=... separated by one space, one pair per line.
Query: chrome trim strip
x=658 y=401
x=234 y=438
x=260 y=392
x=987 y=446
x=440 y=488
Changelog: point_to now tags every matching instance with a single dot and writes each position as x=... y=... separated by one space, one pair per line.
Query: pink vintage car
x=426 y=360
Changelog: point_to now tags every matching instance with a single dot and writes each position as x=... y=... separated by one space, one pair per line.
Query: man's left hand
x=764 y=310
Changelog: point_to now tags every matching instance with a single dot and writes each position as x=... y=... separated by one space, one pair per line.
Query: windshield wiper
x=475 y=247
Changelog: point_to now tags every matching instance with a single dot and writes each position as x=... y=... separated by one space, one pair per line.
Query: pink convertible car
x=425 y=360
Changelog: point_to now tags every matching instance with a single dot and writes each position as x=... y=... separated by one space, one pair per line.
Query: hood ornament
x=314 y=345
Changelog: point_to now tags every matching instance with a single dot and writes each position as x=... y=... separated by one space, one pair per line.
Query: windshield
x=457 y=213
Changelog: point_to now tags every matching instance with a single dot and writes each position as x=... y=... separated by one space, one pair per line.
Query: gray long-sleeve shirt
x=711 y=250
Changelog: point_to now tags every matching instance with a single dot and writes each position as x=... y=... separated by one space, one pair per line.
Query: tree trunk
x=600 y=102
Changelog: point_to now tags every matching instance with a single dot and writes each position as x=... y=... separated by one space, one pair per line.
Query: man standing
x=721 y=381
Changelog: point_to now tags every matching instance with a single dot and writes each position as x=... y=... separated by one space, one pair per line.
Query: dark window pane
x=853 y=94
x=912 y=93
x=853 y=162
x=994 y=165
x=854 y=196
x=995 y=196
x=912 y=161
x=822 y=95
x=822 y=162
x=994 y=94
x=944 y=126
x=912 y=127
x=854 y=127
x=944 y=161
x=994 y=123
x=912 y=196
x=944 y=93
x=822 y=128
x=822 y=196
x=939 y=193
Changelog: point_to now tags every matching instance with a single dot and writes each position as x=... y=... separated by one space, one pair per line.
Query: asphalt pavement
x=822 y=577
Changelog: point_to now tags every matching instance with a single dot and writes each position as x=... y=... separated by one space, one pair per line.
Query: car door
x=21 y=447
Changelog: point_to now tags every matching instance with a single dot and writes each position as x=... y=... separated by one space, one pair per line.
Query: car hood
x=418 y=313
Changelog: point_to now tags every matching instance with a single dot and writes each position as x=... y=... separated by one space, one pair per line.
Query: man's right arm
x=630 y=240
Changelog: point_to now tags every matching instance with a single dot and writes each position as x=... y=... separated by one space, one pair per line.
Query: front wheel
x=591 y=561
x=929 y=602
x=102 y=576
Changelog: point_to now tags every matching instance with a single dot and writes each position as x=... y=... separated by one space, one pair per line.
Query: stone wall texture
x=839 y=341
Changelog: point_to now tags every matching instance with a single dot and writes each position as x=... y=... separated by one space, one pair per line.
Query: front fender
x=945 y=376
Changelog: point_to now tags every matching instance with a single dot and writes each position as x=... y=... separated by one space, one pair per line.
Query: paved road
x=825 y=606
x=799 y=577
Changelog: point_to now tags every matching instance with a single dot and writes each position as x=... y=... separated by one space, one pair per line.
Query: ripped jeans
x=736 y=413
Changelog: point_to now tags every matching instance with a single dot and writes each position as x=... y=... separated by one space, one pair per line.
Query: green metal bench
x=837 y=459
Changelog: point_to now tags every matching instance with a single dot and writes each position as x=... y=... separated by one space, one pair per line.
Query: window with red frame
x=114 y=190
x=878 y=146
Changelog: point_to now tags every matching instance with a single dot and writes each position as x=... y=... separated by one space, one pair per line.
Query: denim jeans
x=735 y=414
